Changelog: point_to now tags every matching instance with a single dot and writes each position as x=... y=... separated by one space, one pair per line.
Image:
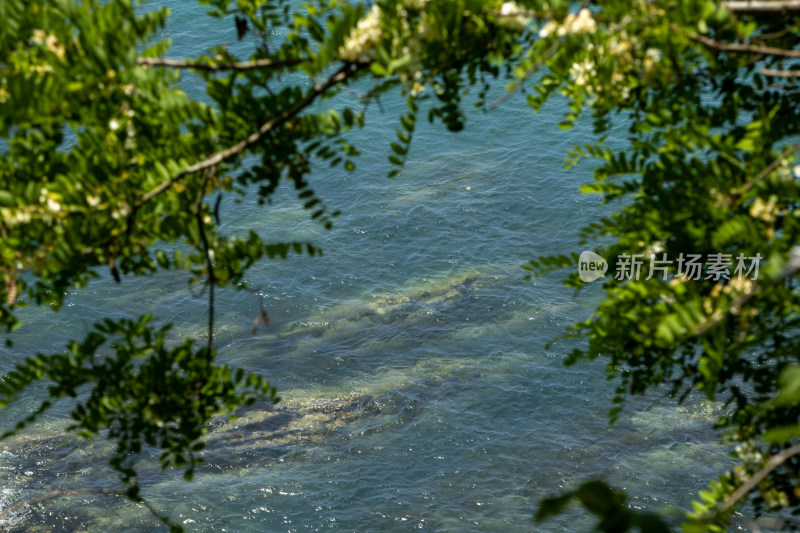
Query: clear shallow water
x=417 y=390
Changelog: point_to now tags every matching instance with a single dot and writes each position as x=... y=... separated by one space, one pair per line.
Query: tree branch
x=774 y=462
x=342 y=74
x=791 y=269
x=780 y=73
x=739 y=47
x=769 y=168
x=541 y=60
x=212 y=278
x=753 y=7
x=216 y=67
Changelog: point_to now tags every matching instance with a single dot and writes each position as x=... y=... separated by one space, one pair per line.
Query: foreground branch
x=741 y=48
x=217 y=67
x=207 y=252
x=342 y=74
x=772 y=166
x=774 y=462
x=541 y=60
x=791 y=269
x=780 y=73
x=750 y=7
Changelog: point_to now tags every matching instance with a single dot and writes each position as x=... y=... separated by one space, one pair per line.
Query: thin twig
x=217 y=67
x=163 y=518
x=213 y=160
x=530 y=72
x=342 y=74
x=780 y=73
x=772 y=166
x=740 y=47
x=777 y=34
x=774 y=462
x=212 y=278
x=791 y=268
x=756 y=6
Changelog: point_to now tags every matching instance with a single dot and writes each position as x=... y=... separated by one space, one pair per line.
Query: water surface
x=418 y=393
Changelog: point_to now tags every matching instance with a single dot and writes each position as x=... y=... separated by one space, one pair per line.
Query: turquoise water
x=417 y=392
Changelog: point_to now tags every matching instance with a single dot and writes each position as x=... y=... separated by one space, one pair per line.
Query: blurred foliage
x=601 y=500
x=108 y=168
x=707 y=97
x=105 y=160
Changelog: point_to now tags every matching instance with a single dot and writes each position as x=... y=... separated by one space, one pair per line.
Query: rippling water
x=417 y=390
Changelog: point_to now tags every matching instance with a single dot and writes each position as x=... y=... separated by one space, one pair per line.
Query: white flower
x=655 y=247
x=739 y=284
x=39 y=36
x=53 y=206
x=548 y=29
x=581 y=72
x=651 y=57
x=619 y=47
x=93 y=200
x=363 y=37
x=52 y=44
x=766 y=211
x=653 y=54
x=12 y=217
x=511 y=17
x=50 y=200
x=583 y=23
x=113 y=124
x=8 y=216
x=41 y=69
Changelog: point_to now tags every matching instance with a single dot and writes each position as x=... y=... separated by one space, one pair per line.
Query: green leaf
x=553 y=506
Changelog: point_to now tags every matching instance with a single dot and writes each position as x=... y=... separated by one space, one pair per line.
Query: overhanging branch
x=742 y=48
x=780 y=73
x=791 y=269
x=774 y=462
x=342 y=74
x=760 y=6
x=216 y=67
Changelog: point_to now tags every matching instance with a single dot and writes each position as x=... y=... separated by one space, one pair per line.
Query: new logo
x=591 y=267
